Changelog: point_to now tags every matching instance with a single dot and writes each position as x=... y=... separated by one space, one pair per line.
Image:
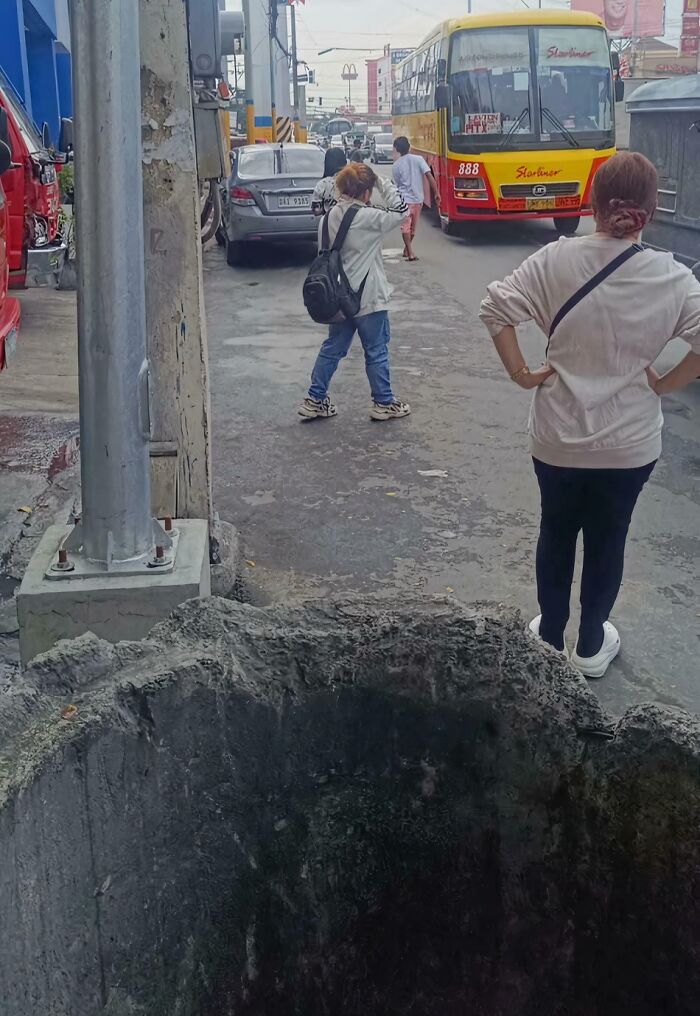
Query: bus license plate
x=540 y=204
x=294 y=201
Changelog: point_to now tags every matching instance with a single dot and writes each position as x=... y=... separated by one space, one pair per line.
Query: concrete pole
x=112 y=364
x=273 y=70
x=248 y=73
x=295 y=76
x=303 y=121
x=181 y=455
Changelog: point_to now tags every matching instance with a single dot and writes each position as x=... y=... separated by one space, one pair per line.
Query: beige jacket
x=598 y=410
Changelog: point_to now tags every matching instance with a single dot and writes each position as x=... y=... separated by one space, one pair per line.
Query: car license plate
x=294 y=201
x=540 y=204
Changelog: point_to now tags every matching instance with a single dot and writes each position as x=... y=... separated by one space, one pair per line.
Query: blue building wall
x=35 y=57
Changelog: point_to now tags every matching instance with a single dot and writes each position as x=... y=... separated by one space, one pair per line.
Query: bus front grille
x=539 y=190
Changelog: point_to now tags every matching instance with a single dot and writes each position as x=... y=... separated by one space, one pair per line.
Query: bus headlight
x=472 y=189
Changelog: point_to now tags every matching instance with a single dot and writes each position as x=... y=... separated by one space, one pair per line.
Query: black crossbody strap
x=325 y=233
x=593 y=283
x=344 y=227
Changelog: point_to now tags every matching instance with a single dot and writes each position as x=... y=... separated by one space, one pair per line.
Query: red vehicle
x=36 y=249
x=9 y=307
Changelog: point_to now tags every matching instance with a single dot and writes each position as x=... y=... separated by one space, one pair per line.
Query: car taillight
x=472 y=189
x=241 y=196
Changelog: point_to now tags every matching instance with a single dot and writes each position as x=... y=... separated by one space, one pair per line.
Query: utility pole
x=113 y=371
x=117 y=572
x=295 y=75
x=273 y=44
x=181 y=455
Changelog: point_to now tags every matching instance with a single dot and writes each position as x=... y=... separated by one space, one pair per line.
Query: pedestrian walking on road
x=609 y=307
x=410 y=174
x=324 y=195
x=379 y=209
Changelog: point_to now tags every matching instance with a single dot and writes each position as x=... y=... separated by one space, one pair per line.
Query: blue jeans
x=374 y=336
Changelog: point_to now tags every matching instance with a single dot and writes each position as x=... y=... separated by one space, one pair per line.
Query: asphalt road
x=345 y=505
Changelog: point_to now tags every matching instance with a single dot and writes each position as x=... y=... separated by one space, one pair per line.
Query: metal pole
x=112 y=364
x=248 y=73
x=295 y=71
x=273 y=43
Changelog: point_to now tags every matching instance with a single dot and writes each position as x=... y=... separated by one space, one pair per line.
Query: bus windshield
x=530 y=87
x=491 y=89
x=574 y=80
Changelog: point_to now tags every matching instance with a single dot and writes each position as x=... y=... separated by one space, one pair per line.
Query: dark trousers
x=600 y=502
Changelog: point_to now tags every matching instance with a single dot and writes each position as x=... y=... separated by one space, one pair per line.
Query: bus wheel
x=449 y=227
x=566 y=226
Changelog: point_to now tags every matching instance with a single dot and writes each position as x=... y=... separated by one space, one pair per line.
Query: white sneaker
x=311 y=409
x=534 y=627
x=596 y=666
x=393 y=411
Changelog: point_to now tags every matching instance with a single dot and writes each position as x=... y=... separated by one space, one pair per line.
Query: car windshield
x=257 y=163
x=383 y=139
x=490 y=79
x=574 y=80
x=306 y=161
x=264 y=161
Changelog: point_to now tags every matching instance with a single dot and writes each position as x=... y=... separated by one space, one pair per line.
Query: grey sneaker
x=310 y=409
x=393 y=411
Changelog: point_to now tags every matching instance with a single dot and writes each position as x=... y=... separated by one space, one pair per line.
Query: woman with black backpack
x=374 y=208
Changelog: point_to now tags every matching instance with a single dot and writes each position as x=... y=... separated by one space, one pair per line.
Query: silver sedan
x=268 y=197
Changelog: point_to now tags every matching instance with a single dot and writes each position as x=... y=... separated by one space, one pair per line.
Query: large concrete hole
x=410 y=812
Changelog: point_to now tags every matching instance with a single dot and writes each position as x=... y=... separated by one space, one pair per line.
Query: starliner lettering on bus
x=524 y=173
x=554 y=53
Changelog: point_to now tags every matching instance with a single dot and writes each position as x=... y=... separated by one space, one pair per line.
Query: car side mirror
x=5 y=157
x=65 y=138
x=46 y=136
x=619 y=89
x=443 y=96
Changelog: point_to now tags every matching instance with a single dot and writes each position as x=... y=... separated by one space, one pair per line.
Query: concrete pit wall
x=339 y=811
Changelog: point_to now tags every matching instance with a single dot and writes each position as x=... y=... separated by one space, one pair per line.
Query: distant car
x=382 y=148
x=268 y=197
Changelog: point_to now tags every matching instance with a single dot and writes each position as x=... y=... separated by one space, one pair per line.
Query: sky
x=371 y=24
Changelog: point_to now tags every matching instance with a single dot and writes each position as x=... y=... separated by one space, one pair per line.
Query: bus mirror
x=46 y=136
x=5 y=157
x=442 y=70
x=619 y=89
x=443 y=95
x=615 y=56
x=4 y=128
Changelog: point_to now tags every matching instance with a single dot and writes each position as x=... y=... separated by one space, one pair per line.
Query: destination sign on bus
x=482 y=123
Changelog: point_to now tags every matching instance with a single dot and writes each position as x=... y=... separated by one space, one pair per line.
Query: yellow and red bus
x=514 y=112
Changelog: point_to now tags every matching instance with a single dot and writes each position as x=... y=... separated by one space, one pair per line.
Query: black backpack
x=327 y=293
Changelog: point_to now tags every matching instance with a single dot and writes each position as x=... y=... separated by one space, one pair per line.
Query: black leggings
x=600 y=502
